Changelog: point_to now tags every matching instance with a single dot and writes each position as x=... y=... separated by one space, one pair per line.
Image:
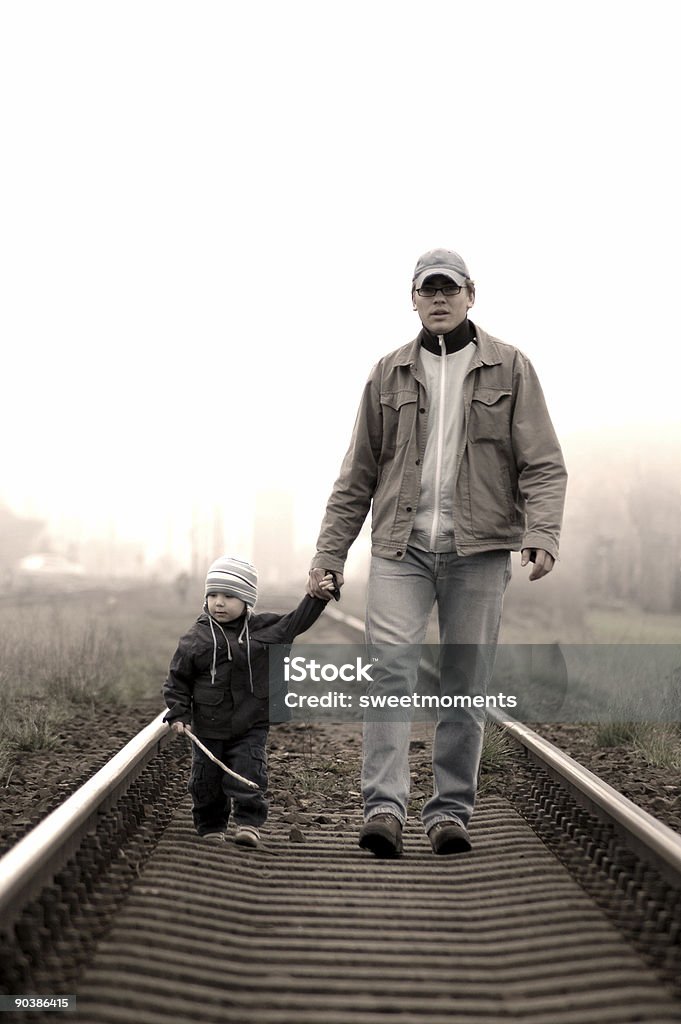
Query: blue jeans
x=214 y=793
x=469 y=592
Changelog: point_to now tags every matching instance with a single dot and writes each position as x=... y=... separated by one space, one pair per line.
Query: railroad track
x=568 y=910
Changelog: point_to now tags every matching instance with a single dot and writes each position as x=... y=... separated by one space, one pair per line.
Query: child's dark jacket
x=235 y=700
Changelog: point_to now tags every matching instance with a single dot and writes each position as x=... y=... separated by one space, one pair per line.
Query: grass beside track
x=75 y=653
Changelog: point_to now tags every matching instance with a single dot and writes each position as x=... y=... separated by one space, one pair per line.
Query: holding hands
x=325 y=584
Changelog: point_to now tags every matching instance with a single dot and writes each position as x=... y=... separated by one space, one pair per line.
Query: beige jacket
x=509 y=487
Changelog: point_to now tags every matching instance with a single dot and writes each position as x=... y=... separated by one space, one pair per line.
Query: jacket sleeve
x=179 y=687
x=289 y=626
x=350 y=499
x=542 y=475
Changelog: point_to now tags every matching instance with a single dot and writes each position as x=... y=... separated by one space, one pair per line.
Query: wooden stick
x=199 y=744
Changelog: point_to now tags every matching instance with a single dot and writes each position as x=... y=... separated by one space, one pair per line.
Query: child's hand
x=329 y=587
x=177 y=726
x=319 y=577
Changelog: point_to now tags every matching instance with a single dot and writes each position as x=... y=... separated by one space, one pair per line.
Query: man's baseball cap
x=440 y=261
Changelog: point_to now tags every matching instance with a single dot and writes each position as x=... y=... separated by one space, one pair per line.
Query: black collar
x=454 y=341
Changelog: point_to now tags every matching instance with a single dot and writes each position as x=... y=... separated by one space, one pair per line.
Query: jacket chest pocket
x=490 y=416
x=399 y=417
x=207 y=701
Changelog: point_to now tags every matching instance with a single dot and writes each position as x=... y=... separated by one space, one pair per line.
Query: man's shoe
x=214 y=837
x=247 y=835
x=449 y=837
x=382 y=834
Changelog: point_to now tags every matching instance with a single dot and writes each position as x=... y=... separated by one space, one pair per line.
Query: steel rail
x=652 y=840
x=34 y=861
x=648 y=837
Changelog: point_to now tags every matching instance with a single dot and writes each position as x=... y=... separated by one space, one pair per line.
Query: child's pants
x=214 y=793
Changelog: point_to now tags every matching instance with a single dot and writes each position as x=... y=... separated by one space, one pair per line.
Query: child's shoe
x=214 y=837
x=247 y=835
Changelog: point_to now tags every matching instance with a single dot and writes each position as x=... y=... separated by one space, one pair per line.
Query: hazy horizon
x=211 y=217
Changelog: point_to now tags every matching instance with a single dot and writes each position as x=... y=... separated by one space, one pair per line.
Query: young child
x=219 y=682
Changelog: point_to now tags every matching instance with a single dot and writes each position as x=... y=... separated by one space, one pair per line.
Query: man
x=454 y=451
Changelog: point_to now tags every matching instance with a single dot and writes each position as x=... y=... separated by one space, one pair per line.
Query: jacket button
x=408 y=508
x=422 y=409
x=399 y=554
x=418 y=462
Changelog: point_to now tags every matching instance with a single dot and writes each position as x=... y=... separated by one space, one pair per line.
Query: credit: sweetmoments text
x=358 y=675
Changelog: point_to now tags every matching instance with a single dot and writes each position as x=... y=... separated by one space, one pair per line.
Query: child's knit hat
x=233 y=577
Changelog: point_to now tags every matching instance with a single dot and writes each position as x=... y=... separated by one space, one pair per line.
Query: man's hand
x=319 y=576
x=543 y=562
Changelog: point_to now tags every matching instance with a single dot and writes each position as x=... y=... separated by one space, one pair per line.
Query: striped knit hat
x=233 y=577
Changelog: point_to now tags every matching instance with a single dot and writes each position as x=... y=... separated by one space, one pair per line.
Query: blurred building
x=274 y=551
x=18 y=537
x=623 y=527
x=112 y=558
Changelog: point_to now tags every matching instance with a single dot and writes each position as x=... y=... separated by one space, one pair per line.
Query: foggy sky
x=211 y=216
